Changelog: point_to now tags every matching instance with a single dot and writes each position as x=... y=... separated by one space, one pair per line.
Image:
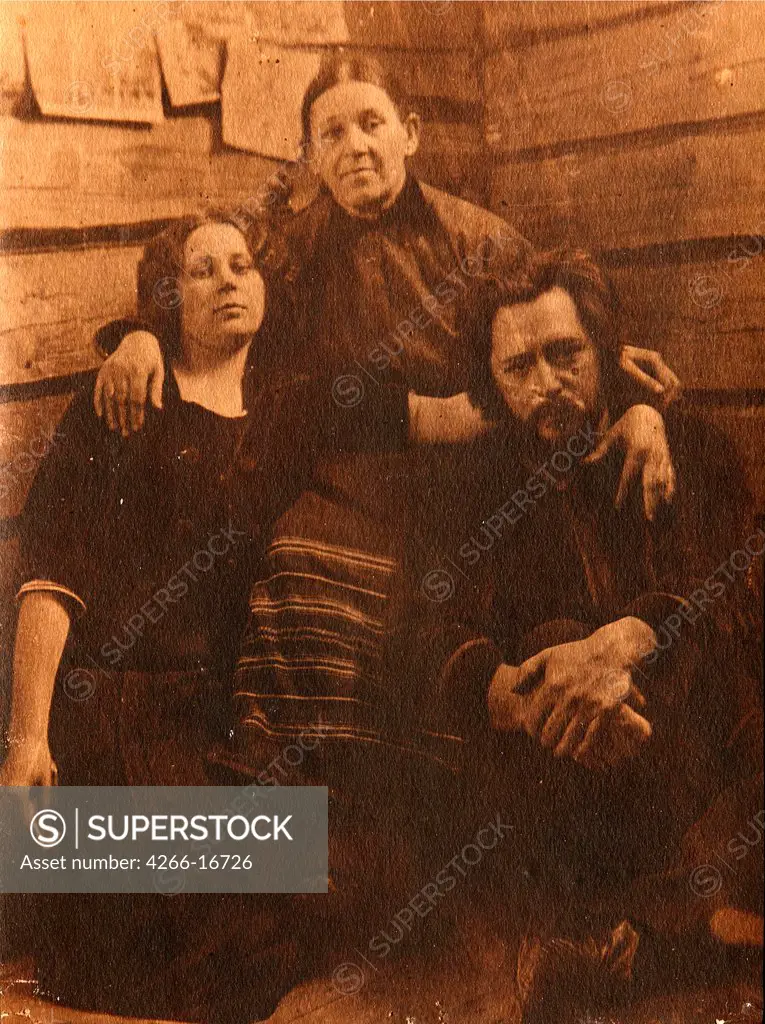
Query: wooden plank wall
x=633 y=127
x=637 y=130
x=78 y=199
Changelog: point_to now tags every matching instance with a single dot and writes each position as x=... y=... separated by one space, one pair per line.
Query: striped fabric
x=312 y=657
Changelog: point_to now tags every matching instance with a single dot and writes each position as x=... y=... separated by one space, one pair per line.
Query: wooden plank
x=707 y=318
x=451 y=157
x=746 y=429
x=703 y=186
x=27 y=431
x=74 y=175
x=53 y=303
x=513 y=22
x=422 y=25
x=692 y=64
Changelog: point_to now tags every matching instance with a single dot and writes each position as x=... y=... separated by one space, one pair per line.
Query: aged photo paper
x=382 y=511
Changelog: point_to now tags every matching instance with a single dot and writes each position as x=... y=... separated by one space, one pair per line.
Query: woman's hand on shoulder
x=641 y=434
x=648 y=368
x=133 y=374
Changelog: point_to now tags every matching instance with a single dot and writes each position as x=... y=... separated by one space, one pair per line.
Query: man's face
x=545 y=366
x=360 y=145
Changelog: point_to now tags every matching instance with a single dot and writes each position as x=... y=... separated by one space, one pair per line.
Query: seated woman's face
x=223 y=294
x=360 y=146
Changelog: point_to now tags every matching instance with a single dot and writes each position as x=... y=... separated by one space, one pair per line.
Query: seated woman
x=138 y=558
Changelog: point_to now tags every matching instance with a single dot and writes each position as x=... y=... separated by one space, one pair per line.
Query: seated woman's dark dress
x=154 y=542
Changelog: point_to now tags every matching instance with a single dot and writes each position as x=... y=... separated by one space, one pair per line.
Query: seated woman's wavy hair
x=161 y=276
x=596 y=301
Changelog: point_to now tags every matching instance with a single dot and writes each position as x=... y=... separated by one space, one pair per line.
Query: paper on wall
x=261 y=96
x=97 y=63
x=191 y=60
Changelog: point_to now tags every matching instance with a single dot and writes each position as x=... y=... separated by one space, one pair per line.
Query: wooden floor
x=470 y=983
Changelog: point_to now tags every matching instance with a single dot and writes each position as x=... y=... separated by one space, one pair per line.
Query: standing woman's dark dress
x=375 y=298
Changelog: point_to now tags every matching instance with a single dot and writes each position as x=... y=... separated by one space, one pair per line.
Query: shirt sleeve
x=63 y=523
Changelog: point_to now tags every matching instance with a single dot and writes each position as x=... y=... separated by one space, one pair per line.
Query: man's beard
x=555 y=421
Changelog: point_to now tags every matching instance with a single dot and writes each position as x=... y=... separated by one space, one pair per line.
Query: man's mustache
x=559 y=410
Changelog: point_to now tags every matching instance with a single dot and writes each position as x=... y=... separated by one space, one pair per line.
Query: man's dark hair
x=596 y=302
x=338 y=67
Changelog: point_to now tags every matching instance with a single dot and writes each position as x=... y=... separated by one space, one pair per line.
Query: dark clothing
x=374 y=298
x=386 y=292
x=378 y=301
x=157 y=538
x=556 y=568
x=564 y=552
x=155 y=541
x=330 y=624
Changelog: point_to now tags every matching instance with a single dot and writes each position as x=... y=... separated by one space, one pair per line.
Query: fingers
x=630 y=470
x=121 y=390
x=556 y=725
x=98 y=395
x=629 y=363
x=137 y=401
x=640 y=726
x=673 y=386
x=603 y=447
x=110 y=408
x=113 y=393
x=670 y=480
x=157 y=379
x=651 y=497
x=584 y=754
x=613 y=737
x=648 y=368
x=658 y=485
x=635 y=698
x=573 y=736
x=121 y=399
x=541 y=706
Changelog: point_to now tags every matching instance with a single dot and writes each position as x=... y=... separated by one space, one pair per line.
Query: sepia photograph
x=382 y=511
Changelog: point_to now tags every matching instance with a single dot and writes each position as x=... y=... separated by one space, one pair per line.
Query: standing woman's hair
x=338 y=67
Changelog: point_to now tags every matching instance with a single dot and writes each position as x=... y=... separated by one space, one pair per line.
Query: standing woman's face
x=222 y=290
x=360 y=145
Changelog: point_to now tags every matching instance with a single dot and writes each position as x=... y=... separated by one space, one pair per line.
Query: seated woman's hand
x=130 y=375
x=641 y=435
x=28 y=765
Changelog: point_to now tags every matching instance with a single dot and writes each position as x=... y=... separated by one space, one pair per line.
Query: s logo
x=47 y=828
